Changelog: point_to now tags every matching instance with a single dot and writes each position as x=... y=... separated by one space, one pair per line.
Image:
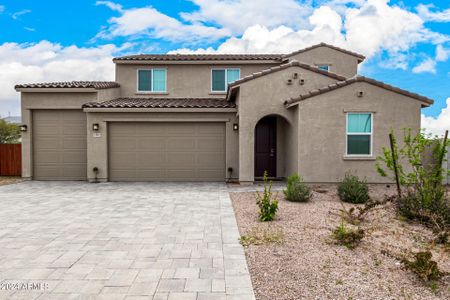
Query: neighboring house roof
x=162 y=103
x=199 y=57
x=292 y=63
x=337 y=85
x=13 y=119
x=98 y=85
x=359 y=56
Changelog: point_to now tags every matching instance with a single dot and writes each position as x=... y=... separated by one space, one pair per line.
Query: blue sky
x=407 y=42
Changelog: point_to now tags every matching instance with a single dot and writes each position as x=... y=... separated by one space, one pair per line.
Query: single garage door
x=59 y=145
x=167 y=151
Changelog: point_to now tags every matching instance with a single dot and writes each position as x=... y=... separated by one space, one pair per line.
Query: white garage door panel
x=167 y=151
x=59 y=145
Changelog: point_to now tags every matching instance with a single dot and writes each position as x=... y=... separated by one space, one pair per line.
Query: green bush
x=296 y=190
x=349 y=238
x=424 y=266
x=353 y=190
x=267 y=203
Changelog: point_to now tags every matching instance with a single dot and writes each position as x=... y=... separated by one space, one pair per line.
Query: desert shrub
x=423 y=265
x=357 y=214
x=423 y=196
x=267 y=203
x=353 y=190
x=347 y=237
x=296 y=190
x=263 y=235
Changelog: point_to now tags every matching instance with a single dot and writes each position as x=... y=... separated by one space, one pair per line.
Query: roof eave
x=56 y=90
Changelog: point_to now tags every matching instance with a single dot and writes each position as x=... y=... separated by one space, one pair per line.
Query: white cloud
x=149 y=22
x=442 y=54
x=16 y=15
x=438 y=125
x=46 y=61
x=238 y=15
x=373 y=27
x=436 y=16
x=426 y=66
x=110 y=5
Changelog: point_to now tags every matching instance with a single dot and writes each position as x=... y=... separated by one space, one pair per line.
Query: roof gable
x=293 y=101
x=357 y=55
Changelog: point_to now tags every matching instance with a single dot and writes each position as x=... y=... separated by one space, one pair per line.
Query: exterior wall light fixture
x=95 y=127
x=23 y=128
x=235 y=126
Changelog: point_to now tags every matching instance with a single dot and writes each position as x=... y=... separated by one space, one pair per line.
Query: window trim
x=226 y=79
x=151 y=92
x=358 y=133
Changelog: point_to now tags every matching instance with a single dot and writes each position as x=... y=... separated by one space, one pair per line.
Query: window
x=324 y=67
x=220 y=78
x=359 y=134
x=152 y=80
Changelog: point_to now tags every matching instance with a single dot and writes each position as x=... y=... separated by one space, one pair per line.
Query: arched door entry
x=266 y=147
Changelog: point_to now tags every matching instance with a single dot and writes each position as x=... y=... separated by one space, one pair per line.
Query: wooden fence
x=10 y=159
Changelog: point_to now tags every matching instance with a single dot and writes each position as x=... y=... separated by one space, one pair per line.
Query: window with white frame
x=152 y=80
x=221 y=78
x=359 y=134
x=324 y=67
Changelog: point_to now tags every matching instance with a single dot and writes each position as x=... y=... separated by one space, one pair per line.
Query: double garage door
x=137 y=151
x=162 y=151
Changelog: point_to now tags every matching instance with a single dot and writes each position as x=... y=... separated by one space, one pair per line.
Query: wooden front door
x=265 y=147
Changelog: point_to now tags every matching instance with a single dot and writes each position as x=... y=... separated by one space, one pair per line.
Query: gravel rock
x=310 y=266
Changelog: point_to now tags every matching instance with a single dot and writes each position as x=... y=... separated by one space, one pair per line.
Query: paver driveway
x=120 y=241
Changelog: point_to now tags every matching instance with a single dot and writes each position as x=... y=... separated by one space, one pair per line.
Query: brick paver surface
x=75 y=240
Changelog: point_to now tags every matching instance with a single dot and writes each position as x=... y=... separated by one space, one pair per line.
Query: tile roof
x=199 y=57
x=228 y=57
x=98 y=85
x=361 y=57
x=285 y=66
x=162 y=103
x=340 y=84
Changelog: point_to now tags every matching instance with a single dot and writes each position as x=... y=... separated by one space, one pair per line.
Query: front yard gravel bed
x=310 y=266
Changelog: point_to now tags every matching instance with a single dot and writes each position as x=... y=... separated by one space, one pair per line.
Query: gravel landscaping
x=4 y=180
x=309 y=265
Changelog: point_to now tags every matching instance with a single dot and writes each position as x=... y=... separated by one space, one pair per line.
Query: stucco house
x=215 y=118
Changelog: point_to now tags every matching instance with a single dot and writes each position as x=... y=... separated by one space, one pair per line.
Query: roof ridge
x=285 y=66
x=322 y=44
x=97 y=84
x=339 y=84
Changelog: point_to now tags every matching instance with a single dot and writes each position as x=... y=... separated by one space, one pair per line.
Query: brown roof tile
x=361 y=57
x=98 y=85
x=162 y=103
x=340 y=84
x=285 y=66
x=198 y=57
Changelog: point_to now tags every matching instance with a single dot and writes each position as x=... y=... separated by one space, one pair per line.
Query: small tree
x=9 y=133
x=425 y=197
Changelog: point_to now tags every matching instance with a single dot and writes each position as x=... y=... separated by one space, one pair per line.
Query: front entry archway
x=266 y=147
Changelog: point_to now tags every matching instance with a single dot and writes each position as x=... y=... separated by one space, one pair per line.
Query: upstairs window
x=359 y=134
x=324 y=67
x=221 y=78
x=152 y=80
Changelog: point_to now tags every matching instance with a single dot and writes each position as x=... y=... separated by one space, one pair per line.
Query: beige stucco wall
x=98 y=146
x=265 y=96
x=188 y=81
x=322 y=130
x=340 y=63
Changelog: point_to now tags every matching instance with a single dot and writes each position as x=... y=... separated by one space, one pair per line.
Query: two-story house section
x=215 y=117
